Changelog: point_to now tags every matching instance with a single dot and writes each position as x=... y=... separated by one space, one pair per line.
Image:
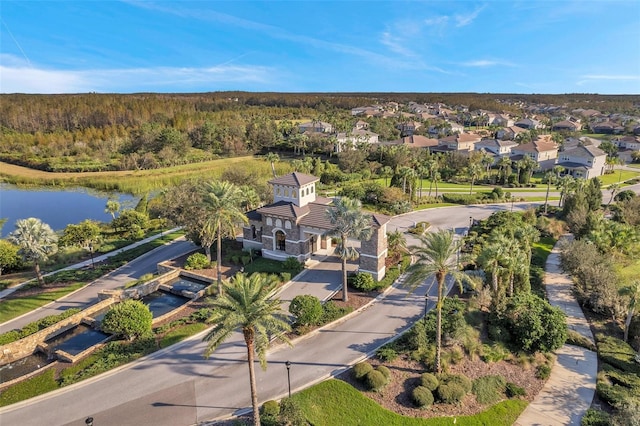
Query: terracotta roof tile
x=294 y=179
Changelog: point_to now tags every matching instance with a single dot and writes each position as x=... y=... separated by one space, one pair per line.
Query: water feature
x=56 y=207
x=76 y=340
x=161 y=302
x=23 y=366
x=183 y=283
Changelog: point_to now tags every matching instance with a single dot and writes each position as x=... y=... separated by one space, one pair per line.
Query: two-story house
x=460 y=142
x=353 y=138
x=497 y=148
x=315 y=127
x=543 y=150
x=296 y=225
x=583 y=161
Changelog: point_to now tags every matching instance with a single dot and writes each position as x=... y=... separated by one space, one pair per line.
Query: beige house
x=460 y=142
x=296 y=225
x=543 y=150
x=583 y=161
x=352 y=139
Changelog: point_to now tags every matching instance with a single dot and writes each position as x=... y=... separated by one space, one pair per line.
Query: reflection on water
x=161 y=302
x=23 y=366
x=182 y=283
x=76 y=340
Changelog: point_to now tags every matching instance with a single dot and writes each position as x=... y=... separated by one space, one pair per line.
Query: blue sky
x=534 y=46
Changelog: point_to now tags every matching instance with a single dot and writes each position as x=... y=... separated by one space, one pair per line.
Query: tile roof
x=284 y=209
x=379 y=219
x=317 y=217
x=294 y=179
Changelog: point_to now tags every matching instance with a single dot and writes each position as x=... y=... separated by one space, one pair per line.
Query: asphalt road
x=88 y=295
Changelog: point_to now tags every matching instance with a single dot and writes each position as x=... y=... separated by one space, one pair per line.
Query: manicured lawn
x=617 y=176
x=29 y=388
x=180 y=333
x=635 y=166
x=15 y=307
x=630 y=271
x=336 y=402
x=542 y=249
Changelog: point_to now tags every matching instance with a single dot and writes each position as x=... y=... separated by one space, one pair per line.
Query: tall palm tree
x=550 y=178
x=632 y=291
x=348 y=221
x=530 y=165
x=112 y=207
x=37 y=242
x=222 y=200
x=475 y=171
x=436 y=255
x=396 y=243
x=272 y=158
x=248 y=303
x=504 y=164
x=614 y=188
x=490 y=259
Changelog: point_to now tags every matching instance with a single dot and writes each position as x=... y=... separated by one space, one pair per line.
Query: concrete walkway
x=571 y=387
x=96 y=259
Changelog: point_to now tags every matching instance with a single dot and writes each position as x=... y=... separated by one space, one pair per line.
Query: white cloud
x=464 y=20
x=610 y=77
x=16 y=77
x=483 y=63
x=396 y=44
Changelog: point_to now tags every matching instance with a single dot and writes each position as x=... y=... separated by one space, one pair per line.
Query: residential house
x=583 y=161
x=509 y=133
x=566 y=126
x=497 y=147
x=315 y=127
x=361 y=125
x=627 y=145
x=543 y=150
x=415 y=141
x=296 y=225
x=408 y=128
x=354 y=138
x=607 y=128
x=459 y=142
x=499 y=120
x=528 y=124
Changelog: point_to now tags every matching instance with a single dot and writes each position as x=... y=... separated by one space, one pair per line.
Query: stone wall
x=25 y=347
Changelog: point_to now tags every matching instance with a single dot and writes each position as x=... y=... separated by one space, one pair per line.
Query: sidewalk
x=571 y=387
x=4 y=293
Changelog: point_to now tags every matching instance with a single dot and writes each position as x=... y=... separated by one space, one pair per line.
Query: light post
x=91 y=254
x=89 y=421
x=512 y=199
x=288 y=364
x=399 y=268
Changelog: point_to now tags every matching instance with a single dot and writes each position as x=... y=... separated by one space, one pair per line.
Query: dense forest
x=95 y=132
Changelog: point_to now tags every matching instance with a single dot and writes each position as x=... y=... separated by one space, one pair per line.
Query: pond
x=57 y=208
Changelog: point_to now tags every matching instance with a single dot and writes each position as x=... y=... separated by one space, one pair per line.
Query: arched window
x=269 y=221
x=280 y=241
x=287 y=224
x=278 y=223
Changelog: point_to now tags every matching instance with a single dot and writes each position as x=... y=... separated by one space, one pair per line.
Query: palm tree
x=348 y=221
x=248 y=303
x=550 y=177
x=396 y=243
x=632 y=291
x=614 y=188
x=272 y=158
x=436 y=255
x=112 y=207
x=386 y=172
x=530 y=165
x=222 y=200
x=504 y=164
x=475 y=171
x=490 y=259
x=37 y=242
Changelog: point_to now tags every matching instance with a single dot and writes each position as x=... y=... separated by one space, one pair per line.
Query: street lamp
x=89 y=421
x=512 y=199
x=91 y=254
x=288 y=364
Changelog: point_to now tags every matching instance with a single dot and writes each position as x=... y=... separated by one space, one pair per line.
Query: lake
x=56 y=207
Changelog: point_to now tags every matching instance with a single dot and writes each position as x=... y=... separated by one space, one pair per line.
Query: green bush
x=577 y=339
x=422 y=397
x=292 y=264
x=595 y=417
x=375 y=380
x=35 y=326
x=387 y=353
x=464 y=199
x=429 y=381
x=543 y=371
x=285 y=277
x=617 y=353
x=459 y=379
x=269 y=412
x=363 y=281
x=385 y=371
x=196 y=261
x=129 y=318
x=361 y=369
x=495 y=352
x=513 y=391
x=307 y=309
x=451 y=393
x=291 y=413
x=331 y=312
x=489 y=389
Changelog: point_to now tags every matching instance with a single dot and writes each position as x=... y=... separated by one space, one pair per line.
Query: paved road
x=88 y=295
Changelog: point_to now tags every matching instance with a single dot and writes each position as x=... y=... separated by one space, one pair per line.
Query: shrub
x=285 y=277
x=512 y=390
x=291 y=413
x=464 y=199
x=331 y=312
x=387 y=353
x=292 y=264
x=489 y=389
x=129 y=318
x=307 y=309
x=385 y=371
x=595 y=417
x=429 y=381
x=422 y=397
x=451 y=393
x=364 y=282
x=543 y=371
x=463 y=381
x=376 y=380
x=361 y=369
x=270 y=408
x=196 y=261
x=577 y=339
x=495 y=352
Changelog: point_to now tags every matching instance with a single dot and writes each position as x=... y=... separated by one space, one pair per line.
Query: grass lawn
x=618 y=176
x=15 y=307
x=336 y=402
x=635 y=166
x=180 y=333
x=542 y=249
x=630 y=272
